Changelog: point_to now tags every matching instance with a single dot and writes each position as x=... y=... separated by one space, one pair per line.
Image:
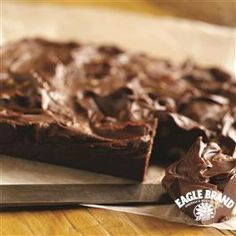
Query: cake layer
x=65 y=104
x=97 y=106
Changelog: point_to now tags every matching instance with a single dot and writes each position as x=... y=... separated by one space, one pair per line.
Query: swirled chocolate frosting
x=204 y=168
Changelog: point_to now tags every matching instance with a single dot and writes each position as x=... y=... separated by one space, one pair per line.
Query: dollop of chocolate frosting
x=204 y=167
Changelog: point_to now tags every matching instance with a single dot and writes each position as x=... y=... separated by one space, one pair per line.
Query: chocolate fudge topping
x=101 y=108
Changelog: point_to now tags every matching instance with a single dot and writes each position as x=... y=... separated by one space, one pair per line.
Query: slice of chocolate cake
x=76 y=106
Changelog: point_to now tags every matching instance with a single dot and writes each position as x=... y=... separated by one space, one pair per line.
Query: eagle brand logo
x=203 y=211
x=205 y=201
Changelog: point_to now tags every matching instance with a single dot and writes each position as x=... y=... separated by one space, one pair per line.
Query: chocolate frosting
x=71 y=86
x=203 y=167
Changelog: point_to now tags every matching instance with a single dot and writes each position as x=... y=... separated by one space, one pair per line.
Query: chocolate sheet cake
x=100 y=108
x=97 y=107
x=76 y=106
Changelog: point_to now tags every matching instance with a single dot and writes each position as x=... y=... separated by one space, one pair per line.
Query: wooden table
x=91 y=221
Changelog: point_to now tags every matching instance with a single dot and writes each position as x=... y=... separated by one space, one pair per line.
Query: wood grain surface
x=90 y=221
x=221 y=12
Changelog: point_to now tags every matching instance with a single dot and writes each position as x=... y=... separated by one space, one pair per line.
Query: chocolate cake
x=100 y=108
x=74 y=105
x=97 y=107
